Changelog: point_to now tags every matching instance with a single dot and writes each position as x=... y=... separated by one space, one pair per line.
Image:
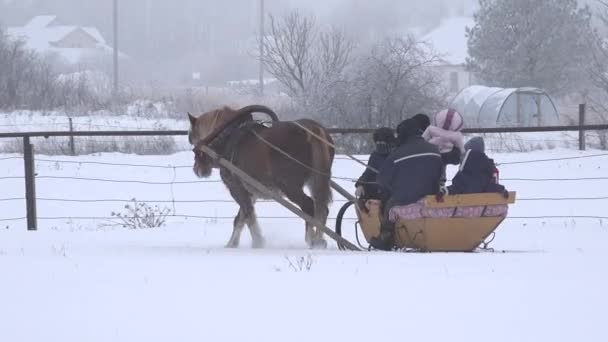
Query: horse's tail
x=322 y=158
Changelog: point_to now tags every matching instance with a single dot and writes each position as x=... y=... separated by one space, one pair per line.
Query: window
x=454 y=84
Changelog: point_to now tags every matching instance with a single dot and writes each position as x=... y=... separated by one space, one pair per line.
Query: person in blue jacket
x=477 y=172
x=413 y=170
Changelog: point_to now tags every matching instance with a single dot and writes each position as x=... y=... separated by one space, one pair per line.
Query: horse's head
x=202 y=126
x=203 y=164
x=208 y=125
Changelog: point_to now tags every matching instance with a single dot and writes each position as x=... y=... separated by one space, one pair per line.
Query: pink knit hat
x=449 y=119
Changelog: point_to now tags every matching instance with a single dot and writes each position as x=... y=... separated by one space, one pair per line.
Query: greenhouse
x=505 y=107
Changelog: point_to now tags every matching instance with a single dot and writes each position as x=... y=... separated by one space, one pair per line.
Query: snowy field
x=82 y=278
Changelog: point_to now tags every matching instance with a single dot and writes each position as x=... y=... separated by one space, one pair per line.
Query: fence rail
x=29 y=160
x=48 y=134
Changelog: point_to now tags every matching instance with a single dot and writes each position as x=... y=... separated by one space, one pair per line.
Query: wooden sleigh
x=445 y=234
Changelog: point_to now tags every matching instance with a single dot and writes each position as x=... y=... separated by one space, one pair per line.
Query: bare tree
x=598 y=70
x=310 y=63
x=320 y=73
x=397 y=80
x=598 y=73
x=288 y=52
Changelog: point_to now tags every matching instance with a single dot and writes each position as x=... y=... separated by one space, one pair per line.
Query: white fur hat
x=449 y=119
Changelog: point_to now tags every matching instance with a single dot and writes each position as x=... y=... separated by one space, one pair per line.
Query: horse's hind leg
x=306 y=204
x=321 y=213
x=257 y=239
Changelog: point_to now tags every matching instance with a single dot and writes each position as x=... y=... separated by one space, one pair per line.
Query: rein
x=323 y=140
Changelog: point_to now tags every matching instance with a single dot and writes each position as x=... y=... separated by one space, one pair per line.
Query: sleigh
x=435 y=234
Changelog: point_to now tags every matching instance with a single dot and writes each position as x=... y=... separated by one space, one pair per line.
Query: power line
x=90 y=179
x=557 y=217
x=177 y=216
x=93 y=218
x=553 y=159
x=11 y=177
x=131 y=200
x=564 y=199
x=143 y=201
x=109 y=200
x=554 y=179
x=10 y=158
x=13 y=219
x=113 y=164
x=12 y=199
x=122 y=181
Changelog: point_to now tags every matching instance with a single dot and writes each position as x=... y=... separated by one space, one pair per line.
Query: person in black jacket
x=413 y=170
x=422 y=121
x=385 y=141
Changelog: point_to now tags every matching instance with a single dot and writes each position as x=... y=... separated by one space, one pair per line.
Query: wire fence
x=172 y=200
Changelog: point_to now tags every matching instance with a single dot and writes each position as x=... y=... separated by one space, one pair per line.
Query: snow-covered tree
x=544 y=44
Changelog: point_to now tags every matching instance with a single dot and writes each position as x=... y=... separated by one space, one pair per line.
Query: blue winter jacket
x=411 y=171
x=475 y=175
x=368 y=178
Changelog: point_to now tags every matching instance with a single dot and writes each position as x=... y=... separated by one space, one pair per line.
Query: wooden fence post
x=30 y=183
x=581 y=124
x=72 y=146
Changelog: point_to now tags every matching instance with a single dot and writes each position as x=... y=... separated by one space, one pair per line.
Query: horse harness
x=226 y=141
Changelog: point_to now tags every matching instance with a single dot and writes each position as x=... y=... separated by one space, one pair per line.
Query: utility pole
x=261 y=48
x=115 y=48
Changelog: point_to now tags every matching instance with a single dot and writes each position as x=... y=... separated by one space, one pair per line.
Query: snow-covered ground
x=140 y=116
x=86 y=280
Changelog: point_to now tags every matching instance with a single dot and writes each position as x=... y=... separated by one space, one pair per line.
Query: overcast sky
x=172 y=38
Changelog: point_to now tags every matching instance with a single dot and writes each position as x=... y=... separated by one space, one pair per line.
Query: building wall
x=77 y=39
x=454 y=78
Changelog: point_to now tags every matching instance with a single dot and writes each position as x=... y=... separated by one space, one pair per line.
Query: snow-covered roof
x=41 y=21
x=94 y=32
x=41 y=32
x=449 y=39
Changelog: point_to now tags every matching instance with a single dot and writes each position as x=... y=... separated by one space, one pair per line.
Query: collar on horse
x=228 y=138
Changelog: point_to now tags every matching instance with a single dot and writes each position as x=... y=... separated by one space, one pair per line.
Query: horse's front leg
x=239 y=224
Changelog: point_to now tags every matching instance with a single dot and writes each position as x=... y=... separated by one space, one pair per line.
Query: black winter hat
x=384 y=134
x=475 y=144
x=423 y=121
x=407 y=129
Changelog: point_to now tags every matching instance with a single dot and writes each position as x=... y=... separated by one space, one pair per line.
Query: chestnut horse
x=283 y=157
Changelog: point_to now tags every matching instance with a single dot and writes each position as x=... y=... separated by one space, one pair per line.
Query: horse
x=285 y=157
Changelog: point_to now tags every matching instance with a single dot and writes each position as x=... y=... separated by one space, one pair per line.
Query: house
x=45 y=34
x=450 y=42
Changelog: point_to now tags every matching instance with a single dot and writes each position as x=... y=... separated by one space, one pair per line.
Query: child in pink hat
x=445 y=133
